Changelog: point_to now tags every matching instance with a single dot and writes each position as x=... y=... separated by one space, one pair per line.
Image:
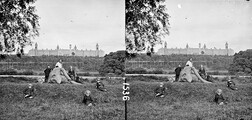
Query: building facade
x=195 y=51
x=66 y=52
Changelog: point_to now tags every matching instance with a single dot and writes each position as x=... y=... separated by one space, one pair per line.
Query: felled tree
x=18 y=24
x=146 y=22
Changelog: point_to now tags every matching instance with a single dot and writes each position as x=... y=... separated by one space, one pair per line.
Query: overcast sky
x=82 y=23
x=210 y=22
x=86 y=22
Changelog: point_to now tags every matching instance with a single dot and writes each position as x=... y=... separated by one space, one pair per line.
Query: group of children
x=87 y=99
x=159 y=92
x=218 y=99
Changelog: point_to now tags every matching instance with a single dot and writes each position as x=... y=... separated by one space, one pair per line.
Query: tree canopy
x=242 y=62
x=114 y=62
x=18 y=24
x=146 y=22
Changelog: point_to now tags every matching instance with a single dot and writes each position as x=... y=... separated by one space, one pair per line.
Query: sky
x=86 y=22
x=210 y=22
x=83 y=23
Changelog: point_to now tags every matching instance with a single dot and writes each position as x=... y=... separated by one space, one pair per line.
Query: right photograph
x=188 y=59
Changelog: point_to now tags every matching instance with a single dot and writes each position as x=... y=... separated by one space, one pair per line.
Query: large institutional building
x=66 y=52
x=195 y=51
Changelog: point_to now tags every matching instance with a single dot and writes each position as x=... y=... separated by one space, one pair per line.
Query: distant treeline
x=86 y=64
x=169 y=62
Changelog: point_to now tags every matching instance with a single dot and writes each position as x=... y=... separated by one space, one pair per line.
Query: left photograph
x=62 y=60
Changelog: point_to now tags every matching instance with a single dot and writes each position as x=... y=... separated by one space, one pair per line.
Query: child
x=219 y=99
x=100 y=86
x=231 y=84
x=87 y=100
x=29 y=92
x=160 y=90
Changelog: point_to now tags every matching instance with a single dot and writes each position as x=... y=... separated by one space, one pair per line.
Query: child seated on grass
x=100 y=86
x=160 y=90
x=87 y=100
x=29 y=92
x=219 y=99
x=231 y=84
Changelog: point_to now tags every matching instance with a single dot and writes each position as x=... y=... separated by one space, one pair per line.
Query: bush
x=156 y=71
x=27 y=72
x=136 y=71
x=15 y=72
x=84 y=74
x=9 y=72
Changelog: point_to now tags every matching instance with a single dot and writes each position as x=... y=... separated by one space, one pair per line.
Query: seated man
x=219 y=99
x=87 y=100
x=100 y=86
x=29 y=92
x=189 y=63
x=231 y=84
x=202 y=72
x=72 y=73
x=160 y=90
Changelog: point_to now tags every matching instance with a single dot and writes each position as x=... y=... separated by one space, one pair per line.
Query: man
x=189 y=63
x=72 y=73
x=202 y=72
x=100 y=86
x=160 y=90
x=47 y=73
x=29 y=92
x=177 y=72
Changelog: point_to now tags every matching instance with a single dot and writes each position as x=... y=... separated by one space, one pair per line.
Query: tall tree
x=114 y=62
x=18 y=24
x=146 y=22
x=242 y=62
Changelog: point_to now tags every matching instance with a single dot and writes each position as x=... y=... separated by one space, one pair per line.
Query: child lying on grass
x=100 y=86
x=160 y=90
x=29 y=92
x=231 y=84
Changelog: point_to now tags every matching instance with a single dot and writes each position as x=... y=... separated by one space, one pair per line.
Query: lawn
x=189 y=101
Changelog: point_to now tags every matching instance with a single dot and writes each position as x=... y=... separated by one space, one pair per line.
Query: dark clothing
x=231 y=85
x=47 y=73
x=202 y=73
x=77 y=79
x=159 y=91
x=209 y=78
x=177 y=72
x=87 y=99
x=100 y=86
x=219 y=98
x=29 y=92
x=72 y=74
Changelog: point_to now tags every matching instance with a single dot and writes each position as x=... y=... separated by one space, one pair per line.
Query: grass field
x=183 y=101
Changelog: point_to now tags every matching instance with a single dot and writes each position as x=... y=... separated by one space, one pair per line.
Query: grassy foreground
x=188 y=101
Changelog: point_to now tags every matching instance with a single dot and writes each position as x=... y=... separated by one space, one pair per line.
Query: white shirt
x=189 y=63
x=59 y=64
